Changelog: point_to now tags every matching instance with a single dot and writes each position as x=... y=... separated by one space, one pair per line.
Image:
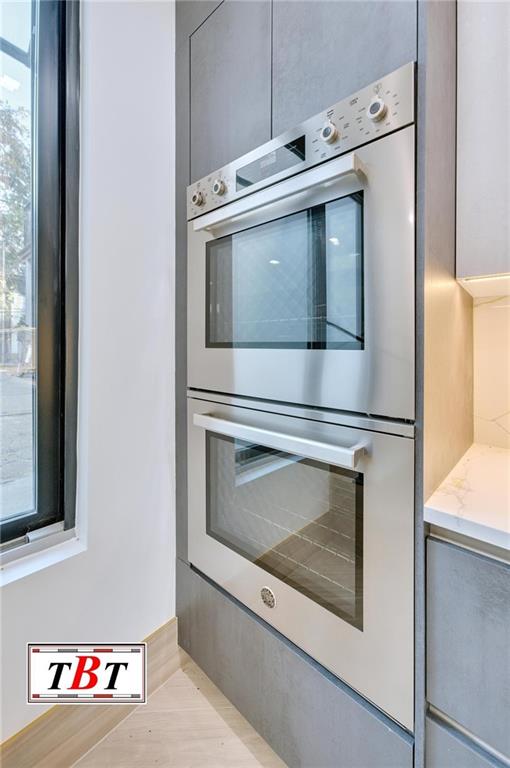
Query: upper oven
x=301 y=262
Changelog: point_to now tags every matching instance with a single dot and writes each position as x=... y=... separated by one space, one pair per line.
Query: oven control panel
x=379 y=109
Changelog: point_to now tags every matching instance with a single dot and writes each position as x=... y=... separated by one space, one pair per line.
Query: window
x=39 y=71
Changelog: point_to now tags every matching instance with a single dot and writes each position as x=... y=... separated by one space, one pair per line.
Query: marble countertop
x=474 y=499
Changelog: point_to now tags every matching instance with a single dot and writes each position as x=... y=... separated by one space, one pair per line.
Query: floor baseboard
x=59 y=737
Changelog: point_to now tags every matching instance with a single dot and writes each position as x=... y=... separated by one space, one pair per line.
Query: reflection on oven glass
x=296 y=518
x=295 y=282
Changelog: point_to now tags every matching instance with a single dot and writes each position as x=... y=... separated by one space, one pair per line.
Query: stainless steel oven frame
x=376 y=380
x=377 y=661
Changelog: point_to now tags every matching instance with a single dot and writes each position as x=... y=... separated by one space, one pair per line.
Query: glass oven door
x=303 y=291
x=291 y=283
x=310 y=525
x=299 y=519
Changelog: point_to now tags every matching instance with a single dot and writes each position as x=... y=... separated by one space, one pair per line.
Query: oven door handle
x=338 y=455
x=315 y=177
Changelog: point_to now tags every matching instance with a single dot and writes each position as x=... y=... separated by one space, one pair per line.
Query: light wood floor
x=187 y=723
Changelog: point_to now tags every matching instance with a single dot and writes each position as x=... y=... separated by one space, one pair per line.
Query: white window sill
x=22 y=562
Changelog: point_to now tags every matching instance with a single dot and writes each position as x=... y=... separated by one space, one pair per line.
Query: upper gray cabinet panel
x=230 y=84
x=324 y=51
x=189 y=16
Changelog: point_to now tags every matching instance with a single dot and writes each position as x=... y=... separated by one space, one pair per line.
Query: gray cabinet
x=230 y=62
x=483 y=144
x=468 y=641
x=447 y=748
x=256 y=72
x=323 y=51
x=309 y=717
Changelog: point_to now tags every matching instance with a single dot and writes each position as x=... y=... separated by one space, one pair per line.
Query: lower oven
x=310 y=524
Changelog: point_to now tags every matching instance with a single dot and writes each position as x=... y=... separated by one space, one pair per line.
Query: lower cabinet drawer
x=468 y=641
x=446 y=748
x=311 y=719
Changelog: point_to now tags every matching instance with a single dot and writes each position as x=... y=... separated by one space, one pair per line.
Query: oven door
x=303 y=292
x=311 y=526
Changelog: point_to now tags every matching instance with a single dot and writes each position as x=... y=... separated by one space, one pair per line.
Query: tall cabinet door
x=230 y=84
x=483 y=145
x=323 y=51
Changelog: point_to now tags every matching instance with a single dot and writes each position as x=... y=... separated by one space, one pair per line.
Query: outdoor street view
x=16 y=458
x=17 y=331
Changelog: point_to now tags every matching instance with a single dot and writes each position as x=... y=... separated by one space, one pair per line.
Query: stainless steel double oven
x=301 y=386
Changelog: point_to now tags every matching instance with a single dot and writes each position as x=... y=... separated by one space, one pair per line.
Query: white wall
x=122 y=587
x=491 y=339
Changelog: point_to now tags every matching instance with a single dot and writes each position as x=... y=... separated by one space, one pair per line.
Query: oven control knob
x=377 y=109
x=219 y=187
x=197 y=198
x=329 y=132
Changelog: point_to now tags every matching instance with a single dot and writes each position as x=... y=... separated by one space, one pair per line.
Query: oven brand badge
x=87 y=673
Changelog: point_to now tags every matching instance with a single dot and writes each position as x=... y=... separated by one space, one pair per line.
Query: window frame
x=55 y=212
